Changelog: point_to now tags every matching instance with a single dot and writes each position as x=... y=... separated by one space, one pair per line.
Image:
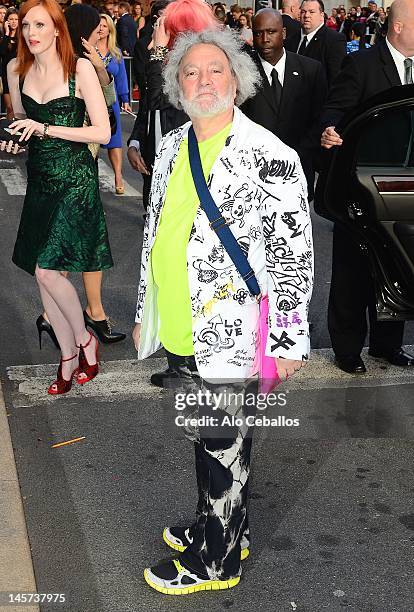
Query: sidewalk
x=16 y=569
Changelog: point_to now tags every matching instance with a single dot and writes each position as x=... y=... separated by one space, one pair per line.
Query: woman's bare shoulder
x=84 y=67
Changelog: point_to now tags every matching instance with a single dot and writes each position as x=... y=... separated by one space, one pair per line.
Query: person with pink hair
x=155 y=108
x=187 y=16
x=178 y=17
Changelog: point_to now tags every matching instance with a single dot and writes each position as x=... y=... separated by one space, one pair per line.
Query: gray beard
x=219 y=105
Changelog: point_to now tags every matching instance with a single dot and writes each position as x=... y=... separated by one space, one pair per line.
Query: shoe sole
x=350 y=371
x=245 y=552
x=210 y=585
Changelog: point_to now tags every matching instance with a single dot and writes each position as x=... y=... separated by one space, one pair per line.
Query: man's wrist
x=134 y=144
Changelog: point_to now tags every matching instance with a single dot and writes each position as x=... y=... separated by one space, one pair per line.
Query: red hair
x=188 y=16
x=64 y=46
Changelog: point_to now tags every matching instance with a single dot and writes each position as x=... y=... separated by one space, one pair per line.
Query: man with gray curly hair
x=196 y=302
x=242 y=68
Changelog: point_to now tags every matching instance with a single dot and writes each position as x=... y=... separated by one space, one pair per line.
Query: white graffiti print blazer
x=258 y=184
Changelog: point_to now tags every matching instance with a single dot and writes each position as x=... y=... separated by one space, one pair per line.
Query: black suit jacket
x=297 y=120
x=364 y=74
x=292 y=26
x=126 y=33
x=327 y=46
x=154 y=100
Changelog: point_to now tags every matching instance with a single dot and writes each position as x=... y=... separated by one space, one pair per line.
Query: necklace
x=102 y=56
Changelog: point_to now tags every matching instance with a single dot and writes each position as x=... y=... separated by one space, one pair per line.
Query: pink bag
x=268 y=375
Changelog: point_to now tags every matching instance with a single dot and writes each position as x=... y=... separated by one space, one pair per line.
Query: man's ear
x=284 y=33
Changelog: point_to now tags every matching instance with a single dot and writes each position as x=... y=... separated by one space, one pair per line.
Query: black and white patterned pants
x=222 y=460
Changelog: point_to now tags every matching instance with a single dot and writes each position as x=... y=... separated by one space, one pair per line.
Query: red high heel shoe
x=84 y=367
x=61 y=384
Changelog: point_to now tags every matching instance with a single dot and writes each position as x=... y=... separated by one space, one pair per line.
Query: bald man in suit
x=290 y=10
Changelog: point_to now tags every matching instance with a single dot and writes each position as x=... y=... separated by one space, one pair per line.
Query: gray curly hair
x=242 y=66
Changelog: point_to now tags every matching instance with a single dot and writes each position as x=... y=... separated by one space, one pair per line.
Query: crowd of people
x=235 y=109
x=123 y=24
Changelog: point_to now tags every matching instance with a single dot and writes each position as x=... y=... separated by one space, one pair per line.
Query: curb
x=16 y=567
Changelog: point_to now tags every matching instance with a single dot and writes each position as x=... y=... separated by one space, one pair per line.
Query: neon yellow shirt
x=169 y=253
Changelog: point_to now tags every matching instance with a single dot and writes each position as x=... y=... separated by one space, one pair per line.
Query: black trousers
x=146 y=188
x=352 y=293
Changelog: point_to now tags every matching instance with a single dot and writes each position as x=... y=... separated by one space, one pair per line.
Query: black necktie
x=276 y=87
x=303 y=44
x=408 y=67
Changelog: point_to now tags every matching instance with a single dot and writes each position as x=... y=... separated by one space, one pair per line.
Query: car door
x=369 y=189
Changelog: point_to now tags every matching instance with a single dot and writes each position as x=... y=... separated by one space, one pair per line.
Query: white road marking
x=106 y=181
x=116 y=378
x=129 y=378
x=14 y=181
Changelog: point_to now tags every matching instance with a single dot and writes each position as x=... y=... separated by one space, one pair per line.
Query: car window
x=387 y=139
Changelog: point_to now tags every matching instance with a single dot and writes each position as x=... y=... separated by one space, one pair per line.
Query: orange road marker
x=68 y=442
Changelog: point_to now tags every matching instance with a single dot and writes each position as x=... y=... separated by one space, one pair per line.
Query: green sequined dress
x=62 y=226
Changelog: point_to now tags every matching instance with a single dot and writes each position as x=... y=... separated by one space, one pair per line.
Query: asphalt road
x=331 y=505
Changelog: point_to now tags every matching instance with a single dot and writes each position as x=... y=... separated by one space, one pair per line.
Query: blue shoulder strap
x=217 y=221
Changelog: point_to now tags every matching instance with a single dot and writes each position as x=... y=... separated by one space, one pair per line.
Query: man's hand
x=287 y=367
x=136 y=333
x=137 y=161
x=330 y=138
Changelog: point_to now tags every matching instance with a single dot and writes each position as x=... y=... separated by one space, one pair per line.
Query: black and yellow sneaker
x=171 y=578
x=178 y=538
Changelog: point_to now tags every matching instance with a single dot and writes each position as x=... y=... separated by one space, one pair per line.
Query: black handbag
x=6 y=135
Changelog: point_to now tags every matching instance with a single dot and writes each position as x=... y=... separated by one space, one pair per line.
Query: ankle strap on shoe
x=84 y=346
x=68 y=359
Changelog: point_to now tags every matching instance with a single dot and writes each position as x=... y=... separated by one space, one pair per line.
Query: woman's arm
x=97 y=62
x=105 y=79
x=99 y=131
x=153 y=69
x=121 y=82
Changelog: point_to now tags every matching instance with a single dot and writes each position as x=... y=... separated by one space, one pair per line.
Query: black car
x=368 y=187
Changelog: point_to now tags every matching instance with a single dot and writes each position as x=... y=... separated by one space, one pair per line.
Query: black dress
x=8 y=51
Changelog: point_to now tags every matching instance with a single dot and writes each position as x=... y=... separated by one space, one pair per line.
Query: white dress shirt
x=308 y=36
x=279 y=67
x=398 y=60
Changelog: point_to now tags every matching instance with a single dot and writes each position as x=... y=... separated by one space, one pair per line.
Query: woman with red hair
x=62 y=227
